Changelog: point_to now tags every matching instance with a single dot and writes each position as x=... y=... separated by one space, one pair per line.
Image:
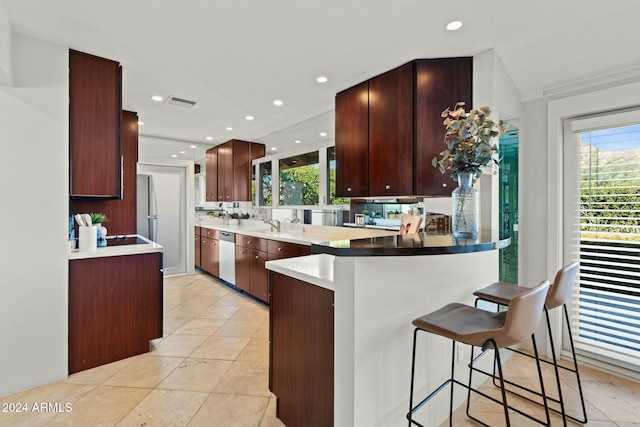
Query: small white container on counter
x=87 y=238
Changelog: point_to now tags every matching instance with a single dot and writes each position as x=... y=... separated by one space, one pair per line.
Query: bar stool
x=559 y=294
x=481 y=328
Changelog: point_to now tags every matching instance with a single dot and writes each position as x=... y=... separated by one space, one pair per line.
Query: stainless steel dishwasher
x=227 y=256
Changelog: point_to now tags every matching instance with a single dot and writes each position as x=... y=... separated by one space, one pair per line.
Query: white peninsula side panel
x=376 y=299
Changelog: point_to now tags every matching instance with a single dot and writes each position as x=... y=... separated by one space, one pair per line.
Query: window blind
x=605 y=220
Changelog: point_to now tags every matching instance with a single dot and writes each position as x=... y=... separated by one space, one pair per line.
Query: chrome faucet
x=271 y=223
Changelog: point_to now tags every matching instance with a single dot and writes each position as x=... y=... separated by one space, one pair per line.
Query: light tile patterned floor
x=211 y=369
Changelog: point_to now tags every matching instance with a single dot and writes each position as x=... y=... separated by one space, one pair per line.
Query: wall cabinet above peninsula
x=95 y=103
x=228 y=170
x=388 y=129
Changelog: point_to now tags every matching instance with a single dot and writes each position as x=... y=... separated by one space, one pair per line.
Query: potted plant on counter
x=470 y=148
x=97 y=219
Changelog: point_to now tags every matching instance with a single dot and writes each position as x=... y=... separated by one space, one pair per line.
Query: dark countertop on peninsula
x=413 y=244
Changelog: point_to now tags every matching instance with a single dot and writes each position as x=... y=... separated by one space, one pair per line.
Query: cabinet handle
x=348 y=188
x=388 y=187
x=257 y=256
x=248 y=242
x=444 y=185
x=279 y=249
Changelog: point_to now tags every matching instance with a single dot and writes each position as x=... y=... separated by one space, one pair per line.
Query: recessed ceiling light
x=323 y=134
x=156 y=98
x=322 y=79
x=297 y=141
x=140 y=123
x=174 y=155
x=193 y=146
x=454 y=25
x=181 y=152
x=209 y=138
x=278 y=102
x=229 y=128
x=248 y=117
x=273 y=148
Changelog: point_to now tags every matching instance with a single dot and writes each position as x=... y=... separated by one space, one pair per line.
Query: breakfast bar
x=369 y=291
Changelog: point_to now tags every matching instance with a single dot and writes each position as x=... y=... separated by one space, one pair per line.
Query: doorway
x=162 y=212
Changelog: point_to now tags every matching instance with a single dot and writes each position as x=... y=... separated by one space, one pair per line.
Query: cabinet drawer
x=287 y=250
x=251 y=242
x=208 y=232
x=197 y=231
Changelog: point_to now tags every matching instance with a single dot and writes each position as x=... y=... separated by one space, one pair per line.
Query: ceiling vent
x=181 y=102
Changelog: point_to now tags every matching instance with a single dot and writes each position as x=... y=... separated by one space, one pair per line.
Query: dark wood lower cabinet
x=115 y=308
x=301 y=351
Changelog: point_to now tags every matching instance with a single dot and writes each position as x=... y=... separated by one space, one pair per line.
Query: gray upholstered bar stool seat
x=481 y=328
x=559 y=294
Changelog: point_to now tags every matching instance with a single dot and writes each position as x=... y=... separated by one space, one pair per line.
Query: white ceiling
x=234 y=57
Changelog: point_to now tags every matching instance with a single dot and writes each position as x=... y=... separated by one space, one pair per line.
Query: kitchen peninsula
x=341 y=355
x=115 y=301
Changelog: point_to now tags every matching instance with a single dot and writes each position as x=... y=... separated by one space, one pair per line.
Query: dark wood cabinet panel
x=278 y=249
x=241 y=170
x=225 y=172
x=243 y=268
x=433 y=96
x=115 y=308
x=121 y=213
x=391 y=133
x=205 y=253
x=301 y=362
x=197 y=248
x=214 y=257
x=211 y=174
x=352 y=141
x=95 y=104
x=259 y=276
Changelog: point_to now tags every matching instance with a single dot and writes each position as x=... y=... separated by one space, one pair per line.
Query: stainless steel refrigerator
x=147 y=208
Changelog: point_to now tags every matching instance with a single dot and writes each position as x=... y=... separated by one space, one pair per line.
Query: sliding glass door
x=602 y=231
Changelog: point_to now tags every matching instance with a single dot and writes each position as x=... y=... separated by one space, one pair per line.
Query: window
x=602 y=201
x=300 y=180
x=331 y=173
x=265 y=184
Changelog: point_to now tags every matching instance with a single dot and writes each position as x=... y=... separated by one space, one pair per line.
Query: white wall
x=5 y=47
x=33 y=218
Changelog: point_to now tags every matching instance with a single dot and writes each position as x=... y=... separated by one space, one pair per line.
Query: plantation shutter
x=602 y=231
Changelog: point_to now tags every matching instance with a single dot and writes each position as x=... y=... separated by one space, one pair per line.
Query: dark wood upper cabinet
x=95 y=104
x=352 y=136
x=391 y=133
x=385 y=147
x=122 y=214
x=440 y=83
x=211 y=174
x=229 y=170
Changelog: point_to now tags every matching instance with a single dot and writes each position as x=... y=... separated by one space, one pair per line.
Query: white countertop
x=303 y=234
x=106 y=251
x=314 y=269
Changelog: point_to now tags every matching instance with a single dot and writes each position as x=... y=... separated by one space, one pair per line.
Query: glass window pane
x=300 y=180
x=265 y=192
x=331 y=173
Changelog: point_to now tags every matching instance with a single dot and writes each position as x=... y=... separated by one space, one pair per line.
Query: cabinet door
x=205 y=254
x=391 y=133
x=225 y=172
x=352 y=141
x=241 y=171
x=95 y=104
x=214 y=257
x=211 y=175
x=243 y=268
x=197 y=243
x=259 y=275
x=432 y=98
